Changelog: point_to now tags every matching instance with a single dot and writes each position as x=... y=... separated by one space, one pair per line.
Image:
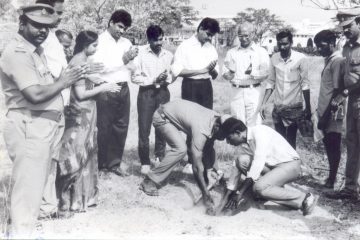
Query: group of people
x=68 y=112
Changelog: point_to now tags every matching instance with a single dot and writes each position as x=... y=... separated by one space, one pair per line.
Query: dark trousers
x=149 y=99
x=332 y=142
x=198 y=90
x=113 y=110
x=289 y=132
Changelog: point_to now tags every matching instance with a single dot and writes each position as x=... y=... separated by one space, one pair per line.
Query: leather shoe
x=148 y=186
x=57 y=215
x=309 y=203
x=343 y=194
x=119 y=171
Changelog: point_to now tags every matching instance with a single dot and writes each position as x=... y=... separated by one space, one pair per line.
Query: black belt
x=196 y=79
x=153 y=87
x=122 y=84
x=246 y=86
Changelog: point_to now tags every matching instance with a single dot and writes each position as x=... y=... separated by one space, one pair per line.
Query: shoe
x=188 y=169
x=145 y=169
x=149 y=187
x=329 y=184
x=119 y=171
x=343 y=194
x=309 y=203
x=57 y=215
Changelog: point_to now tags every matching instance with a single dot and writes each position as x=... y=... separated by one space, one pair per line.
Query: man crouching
x=269 y=162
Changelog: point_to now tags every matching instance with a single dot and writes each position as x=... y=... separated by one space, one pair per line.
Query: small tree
x=331 y=4
x=264 y=22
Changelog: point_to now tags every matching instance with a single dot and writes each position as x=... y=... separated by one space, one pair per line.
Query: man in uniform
x=34 y=121
x=350 y=22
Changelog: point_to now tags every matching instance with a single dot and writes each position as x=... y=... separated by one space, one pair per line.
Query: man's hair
x=286 y=33
x=153 y=32
x=84 y=39
x=327 y=36
x=121 y=16
x=49 y=2
x=61 y=32
x=232 y=125
x=209 y=24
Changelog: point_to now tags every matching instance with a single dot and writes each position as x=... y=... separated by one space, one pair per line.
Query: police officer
x=350 y=22
x=34 y=120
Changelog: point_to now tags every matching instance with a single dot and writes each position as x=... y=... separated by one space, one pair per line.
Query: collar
x=195 y=41
x=25 y=43
x=252 y=46
x=334 y=54
x=149 y=50
x=109 y=37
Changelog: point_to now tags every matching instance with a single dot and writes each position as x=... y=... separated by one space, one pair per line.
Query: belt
x=246 y=86
x=153 y=87
x=52 y=115
x=196 y=79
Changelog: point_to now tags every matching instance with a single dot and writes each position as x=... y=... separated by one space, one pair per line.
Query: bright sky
x=288 y=10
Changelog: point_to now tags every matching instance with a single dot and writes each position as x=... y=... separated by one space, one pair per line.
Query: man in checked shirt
x=152 y=74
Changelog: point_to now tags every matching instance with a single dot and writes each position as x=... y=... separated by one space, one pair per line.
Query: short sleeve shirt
x=21 y=67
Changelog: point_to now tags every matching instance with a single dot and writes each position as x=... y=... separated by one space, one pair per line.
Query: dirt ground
x=124 y=212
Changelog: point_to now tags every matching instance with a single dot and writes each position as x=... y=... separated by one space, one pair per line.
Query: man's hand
x=211 y=66
x=130 y=55
x=209 y=204
x=71 y=75
x=234 y=201
x=339 y=99
x=161 y=78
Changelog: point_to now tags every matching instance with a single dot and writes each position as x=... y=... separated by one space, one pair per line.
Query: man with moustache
x=34 y=121
x=115 y=52
x=288 y=79
x=350 y=22
x=330 y=116
x=153 y=75
x=246 y=66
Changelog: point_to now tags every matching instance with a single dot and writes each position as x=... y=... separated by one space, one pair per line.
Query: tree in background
x=7 y=11
x=331 y=4
x=265 y=23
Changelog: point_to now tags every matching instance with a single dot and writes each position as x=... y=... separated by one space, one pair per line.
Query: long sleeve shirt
x=110 y=53
x=191 y=55
x=239 y=59
x=288 y=78
x=148 y=66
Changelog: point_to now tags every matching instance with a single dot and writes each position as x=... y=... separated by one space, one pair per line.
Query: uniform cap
x=39 y=13
x=345 y=17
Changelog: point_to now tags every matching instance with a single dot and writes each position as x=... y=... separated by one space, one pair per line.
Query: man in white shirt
x=246 y=66
x=268 y=162
x=288 y=79
x=196 y=61
x=115 y=52
x=153 y=75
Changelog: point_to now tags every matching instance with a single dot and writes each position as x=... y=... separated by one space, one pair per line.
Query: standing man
x=113 y=108
x=330 y=118
x=65 y=38
x=196 y=61
x=152 y=74
x=288 y=79
x=203 y=126
x=350 y=22
x=268 y=162
x=34 y=122
x=246 y=66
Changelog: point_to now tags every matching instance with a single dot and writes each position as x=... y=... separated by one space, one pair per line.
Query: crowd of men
x=37 y=80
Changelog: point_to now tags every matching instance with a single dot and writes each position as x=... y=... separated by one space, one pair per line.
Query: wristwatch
x=345 y=92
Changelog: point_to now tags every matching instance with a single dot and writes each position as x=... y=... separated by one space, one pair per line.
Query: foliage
x=265 y=22
x=94 y=14
x=331 y=4
x=7 y=11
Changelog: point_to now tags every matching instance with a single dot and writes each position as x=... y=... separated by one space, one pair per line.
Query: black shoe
x=148 y=186
x=57 y=215
x=343 y=194
x=119 y=171
x=309 y=203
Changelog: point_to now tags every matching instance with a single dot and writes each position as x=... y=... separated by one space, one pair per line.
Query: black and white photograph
x=180 y=119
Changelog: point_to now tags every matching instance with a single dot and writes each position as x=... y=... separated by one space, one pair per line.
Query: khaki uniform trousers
x=32 y=143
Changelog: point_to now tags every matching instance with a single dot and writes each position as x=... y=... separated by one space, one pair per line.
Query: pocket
x=40 y=129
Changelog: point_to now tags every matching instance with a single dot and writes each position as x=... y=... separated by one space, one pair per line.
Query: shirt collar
x=149 y=50
x=109 y=37
x=195 y=41
x=334 y=54
x=26 y=43
x=252 y=46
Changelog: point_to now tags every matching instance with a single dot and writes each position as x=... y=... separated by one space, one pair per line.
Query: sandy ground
x=124 y=212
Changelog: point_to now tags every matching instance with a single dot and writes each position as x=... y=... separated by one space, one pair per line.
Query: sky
x=288 y=10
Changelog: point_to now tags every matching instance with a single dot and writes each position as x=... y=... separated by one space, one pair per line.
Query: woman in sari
x=78 y=157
